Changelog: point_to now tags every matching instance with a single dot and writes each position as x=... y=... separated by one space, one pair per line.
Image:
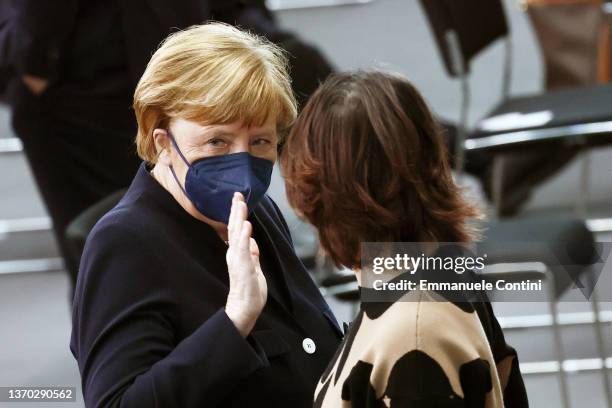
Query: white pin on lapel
x=309 y=345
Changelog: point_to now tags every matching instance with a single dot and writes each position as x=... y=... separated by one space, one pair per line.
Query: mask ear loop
x=182 y=157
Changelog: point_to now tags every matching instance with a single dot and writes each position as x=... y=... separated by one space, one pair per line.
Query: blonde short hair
x=213 y=74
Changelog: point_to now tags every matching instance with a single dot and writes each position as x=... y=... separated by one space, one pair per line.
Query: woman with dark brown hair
x=365 y=162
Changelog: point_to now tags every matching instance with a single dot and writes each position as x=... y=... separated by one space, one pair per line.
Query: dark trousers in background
x=80 y=149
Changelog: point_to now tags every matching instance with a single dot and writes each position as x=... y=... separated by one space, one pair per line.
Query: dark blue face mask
x=211 y=182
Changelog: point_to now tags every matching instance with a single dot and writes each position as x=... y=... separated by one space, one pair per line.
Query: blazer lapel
x=277 y=256
x=295 y=277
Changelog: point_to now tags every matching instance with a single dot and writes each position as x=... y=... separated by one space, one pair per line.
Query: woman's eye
x=216 y=142
x=261 y=141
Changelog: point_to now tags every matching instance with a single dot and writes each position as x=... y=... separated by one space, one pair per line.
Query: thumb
x=254 y=249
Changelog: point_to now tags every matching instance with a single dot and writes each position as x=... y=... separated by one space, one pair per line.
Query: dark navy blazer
x=149 y=326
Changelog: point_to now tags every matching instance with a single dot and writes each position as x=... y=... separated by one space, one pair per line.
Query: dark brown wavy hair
x=366 y=162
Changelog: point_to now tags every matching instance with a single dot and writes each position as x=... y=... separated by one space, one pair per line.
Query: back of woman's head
x=366 y=162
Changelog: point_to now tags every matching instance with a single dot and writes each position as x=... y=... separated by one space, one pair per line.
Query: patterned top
x=422 y=352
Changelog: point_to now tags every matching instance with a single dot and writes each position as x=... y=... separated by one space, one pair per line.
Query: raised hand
x=248 y=289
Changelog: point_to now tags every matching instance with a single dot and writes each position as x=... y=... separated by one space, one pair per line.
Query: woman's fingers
x=248 y=288
x=245 y=237
x=237 y=217
x=242 y=245
x=240 y=221
x=233 y=225
x=230 y=222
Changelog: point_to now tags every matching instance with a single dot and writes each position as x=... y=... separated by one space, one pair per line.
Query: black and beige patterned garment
x=423 y=353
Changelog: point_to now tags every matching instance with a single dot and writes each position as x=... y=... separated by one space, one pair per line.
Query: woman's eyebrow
x=218 y=133
x=263 y=134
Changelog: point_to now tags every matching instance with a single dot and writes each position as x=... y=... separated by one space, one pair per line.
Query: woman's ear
x=162 y=146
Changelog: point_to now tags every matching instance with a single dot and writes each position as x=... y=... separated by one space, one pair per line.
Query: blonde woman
x=189 y=291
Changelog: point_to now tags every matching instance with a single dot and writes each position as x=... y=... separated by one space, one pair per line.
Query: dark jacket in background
x=6 y=42
x=68 y=41
x=76 y=40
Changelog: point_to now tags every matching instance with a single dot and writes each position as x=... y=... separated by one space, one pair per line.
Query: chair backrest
x=472 y=24
x=78 y=230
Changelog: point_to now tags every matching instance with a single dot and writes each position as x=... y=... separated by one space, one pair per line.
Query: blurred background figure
x=70 y=67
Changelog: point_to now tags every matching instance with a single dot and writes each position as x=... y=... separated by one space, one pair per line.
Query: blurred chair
x=79 y=228
x=548 y=129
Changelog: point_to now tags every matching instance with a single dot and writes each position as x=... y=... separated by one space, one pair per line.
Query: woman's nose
x=240 y=145
x=240 y=150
